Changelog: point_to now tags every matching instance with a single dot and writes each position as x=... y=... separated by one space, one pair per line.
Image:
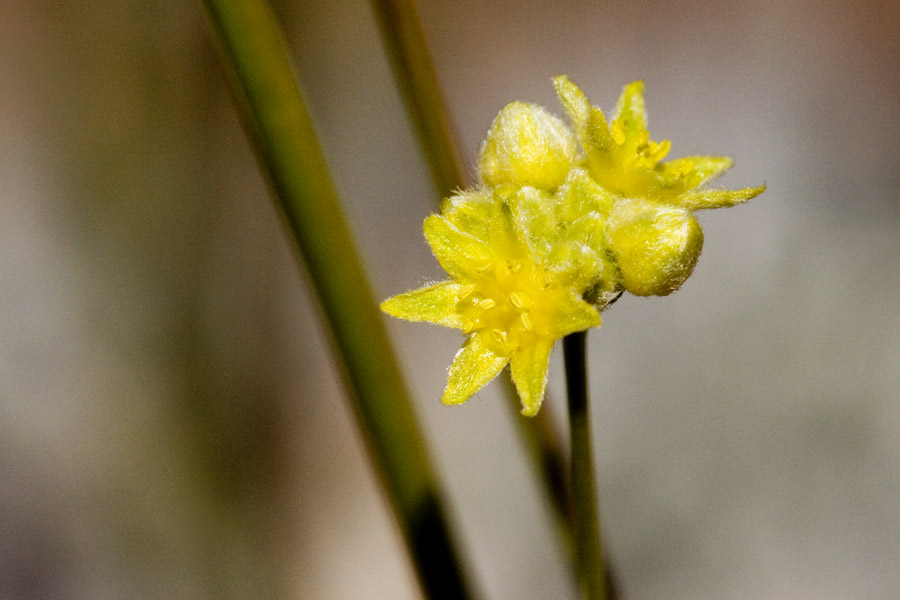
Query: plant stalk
x=277 y=121
x=589 y=550
x=407 y=45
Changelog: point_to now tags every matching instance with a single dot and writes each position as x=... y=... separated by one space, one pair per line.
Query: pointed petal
x=576 y=315
x=717 y=198
x=474 y=366
x=433 y=304
x=528 y=367
x=470 y=211
x=575 y=103
x=460 y=254
x=581 y=194
x=698 y=170
x=631 y=115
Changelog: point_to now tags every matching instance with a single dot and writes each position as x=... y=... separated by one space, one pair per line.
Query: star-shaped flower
x=505 y=296
x=651 y=228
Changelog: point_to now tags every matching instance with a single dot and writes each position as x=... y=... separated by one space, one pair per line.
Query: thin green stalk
x=277 y=120
x=407 y=45
x=405 y=38
x=587 y=523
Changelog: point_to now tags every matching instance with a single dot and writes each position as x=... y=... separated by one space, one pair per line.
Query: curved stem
x=587 y=523
x=277 y=121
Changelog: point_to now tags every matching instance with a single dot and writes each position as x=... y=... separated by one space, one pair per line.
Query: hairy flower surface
x=563 y=222
x=505 y=296
x=651 y=230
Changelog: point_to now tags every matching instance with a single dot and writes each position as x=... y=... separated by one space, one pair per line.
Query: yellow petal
x=717 y=198
x=532 y=213
x=631 y=115
x=581 y=194
x=474 y=366
x=575 y=315
x=575 y=103
x=528 y=367
x=694 y=171
x=433 y=304
x=460 y=254
x=470 y=211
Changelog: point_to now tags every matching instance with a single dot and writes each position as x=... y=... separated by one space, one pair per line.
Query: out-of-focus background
x=171 y=422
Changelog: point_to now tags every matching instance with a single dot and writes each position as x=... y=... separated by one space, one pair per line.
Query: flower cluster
x=564 y=220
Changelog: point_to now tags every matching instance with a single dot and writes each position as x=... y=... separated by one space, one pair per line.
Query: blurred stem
x=277 y=121
x=542 y=442
x=587 y=523
x=405 y=38
x=407 y=45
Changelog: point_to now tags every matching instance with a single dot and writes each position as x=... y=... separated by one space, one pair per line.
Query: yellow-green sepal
x=460 y=254
x=528 y=368
x=431 y=304
x=718 y=198
x=473 y=367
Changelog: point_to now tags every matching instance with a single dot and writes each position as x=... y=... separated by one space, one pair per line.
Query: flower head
x=563 y=222
x=651 y=229
x=505 y=295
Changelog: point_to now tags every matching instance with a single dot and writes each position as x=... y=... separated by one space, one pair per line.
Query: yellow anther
x=468 y=327
x=660 y=150
x=643 y=139
x=516 y=300
x=526 y=321
x=486 y=303
x=498 y=336
x=515 y=267
x=466 y=291
x=485 y=268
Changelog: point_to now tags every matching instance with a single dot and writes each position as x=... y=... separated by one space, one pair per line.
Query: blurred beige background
x=171 y=425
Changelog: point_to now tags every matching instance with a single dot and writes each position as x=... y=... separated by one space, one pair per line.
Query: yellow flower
x=505 y=295
x=651 y=230
x=554 y=235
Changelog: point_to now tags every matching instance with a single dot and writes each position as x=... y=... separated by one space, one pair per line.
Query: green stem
x=584 y=495
x=277 y=121
x=407 y=45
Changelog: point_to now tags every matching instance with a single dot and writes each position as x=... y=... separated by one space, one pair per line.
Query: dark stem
x=594 y=581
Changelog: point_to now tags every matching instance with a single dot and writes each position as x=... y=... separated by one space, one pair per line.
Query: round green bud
x=526 y=145
x=655 y=246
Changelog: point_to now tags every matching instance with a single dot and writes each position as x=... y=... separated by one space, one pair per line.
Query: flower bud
x=656 y=246
x=526 y=145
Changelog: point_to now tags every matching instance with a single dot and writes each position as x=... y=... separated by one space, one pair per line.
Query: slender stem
x=277 y=122
x=407 y=45
x=406 y=42
x=584 y=495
